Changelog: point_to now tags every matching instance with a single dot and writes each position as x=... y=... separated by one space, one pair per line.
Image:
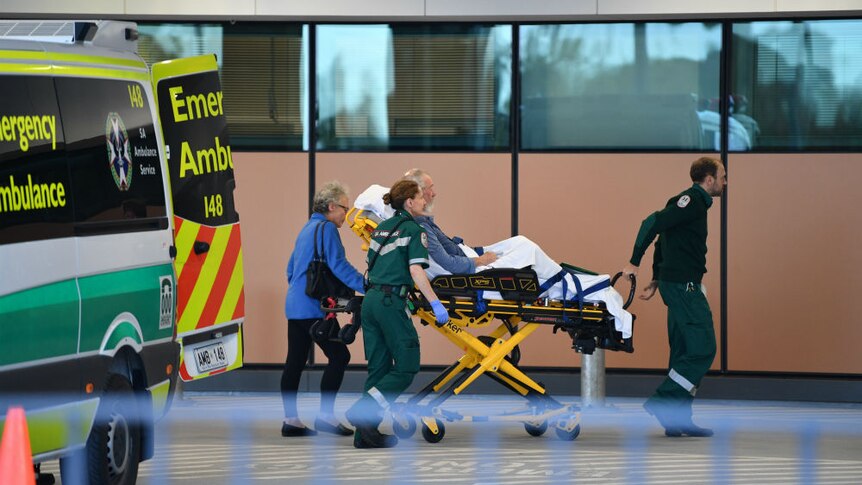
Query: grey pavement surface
x=234 y=439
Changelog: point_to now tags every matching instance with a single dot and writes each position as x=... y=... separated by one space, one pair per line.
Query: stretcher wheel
x=536 y=430
x=403 y=426
x=568 y=435
x=432 y=437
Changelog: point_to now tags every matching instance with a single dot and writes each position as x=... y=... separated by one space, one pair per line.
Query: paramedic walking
x=397 y=258
x=679 y=262
x=329 y=208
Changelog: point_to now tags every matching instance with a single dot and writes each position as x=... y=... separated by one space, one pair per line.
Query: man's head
x=709 y=173
x=426 y=184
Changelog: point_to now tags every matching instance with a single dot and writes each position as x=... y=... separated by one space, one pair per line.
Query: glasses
x=346 y=209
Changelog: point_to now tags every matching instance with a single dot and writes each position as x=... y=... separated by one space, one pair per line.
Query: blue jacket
x=443 y=250
x=298 y=304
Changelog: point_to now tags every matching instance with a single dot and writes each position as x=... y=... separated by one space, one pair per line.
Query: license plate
x=210 y=357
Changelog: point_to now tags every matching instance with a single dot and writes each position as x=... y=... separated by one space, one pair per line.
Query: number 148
x=213 y=206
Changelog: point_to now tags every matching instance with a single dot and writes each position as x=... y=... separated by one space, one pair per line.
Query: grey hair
x=417 y=175
x=330 y=193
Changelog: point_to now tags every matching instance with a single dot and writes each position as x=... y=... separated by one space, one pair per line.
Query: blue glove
x=440 y=312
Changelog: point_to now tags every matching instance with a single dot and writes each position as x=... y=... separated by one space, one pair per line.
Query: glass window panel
x=620 y=86
x=262 y=69
x=386 y=87
x=798 y=85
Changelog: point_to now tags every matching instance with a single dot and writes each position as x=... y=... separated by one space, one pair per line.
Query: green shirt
x=680 y=251
x=408 y=245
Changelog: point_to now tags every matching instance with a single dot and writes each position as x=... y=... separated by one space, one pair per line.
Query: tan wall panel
x=793 y=263
x=585 y=209
x=474 y=202
x=272 y=200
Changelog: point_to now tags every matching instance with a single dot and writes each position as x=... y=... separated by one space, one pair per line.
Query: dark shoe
x=694 y=430
x=288 y=430
x=665 y=416
x=338 y=429
x=369 y=437
x=660 y=412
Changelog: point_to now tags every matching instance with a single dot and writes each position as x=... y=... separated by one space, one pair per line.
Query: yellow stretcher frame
x=496 y=354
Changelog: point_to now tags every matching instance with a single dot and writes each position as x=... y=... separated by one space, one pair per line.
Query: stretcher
x=521 y=311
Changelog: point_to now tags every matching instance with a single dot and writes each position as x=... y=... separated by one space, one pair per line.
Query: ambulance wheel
x=403 y=426
x=568 y=435
x=114 y=445
x=534 y=430
x=431 y=436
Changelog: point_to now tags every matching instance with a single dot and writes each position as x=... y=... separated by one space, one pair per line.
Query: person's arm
x=337 y=262
x=453 y=263
x=420 y=279
x=660 y=221
x=417 y=259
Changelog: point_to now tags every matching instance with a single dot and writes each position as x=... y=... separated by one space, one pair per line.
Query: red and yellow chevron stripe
x=210 y=287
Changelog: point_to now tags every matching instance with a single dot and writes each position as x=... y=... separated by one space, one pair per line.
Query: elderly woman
x=330 y=206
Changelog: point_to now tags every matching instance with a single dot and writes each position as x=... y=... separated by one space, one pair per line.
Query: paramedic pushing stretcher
x=679 y=263
x=397 y=258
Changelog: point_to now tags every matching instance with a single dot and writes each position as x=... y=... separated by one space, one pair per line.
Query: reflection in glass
x=413 y=87
x=798 y=85
x=262 y=69
x=619 y=86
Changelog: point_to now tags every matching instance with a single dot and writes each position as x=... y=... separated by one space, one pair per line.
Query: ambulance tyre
x=432 y=437
x=568 y=435
x=404 y=426
x=534 y=430
x=114 y=445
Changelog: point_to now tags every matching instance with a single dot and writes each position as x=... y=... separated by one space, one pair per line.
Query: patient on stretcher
x=450 y=257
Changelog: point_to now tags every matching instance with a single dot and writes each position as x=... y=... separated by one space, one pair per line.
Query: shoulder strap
x=374 y=259
x=322 y=255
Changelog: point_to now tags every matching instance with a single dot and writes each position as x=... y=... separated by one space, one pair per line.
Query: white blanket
x=519 y=252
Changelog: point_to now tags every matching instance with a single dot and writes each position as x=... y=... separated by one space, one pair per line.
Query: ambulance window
x=35 y=194
x=113 y=155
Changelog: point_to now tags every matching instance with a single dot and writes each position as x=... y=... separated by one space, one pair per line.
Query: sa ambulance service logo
x=119 y=153
x=683 y=201
x=166 y=303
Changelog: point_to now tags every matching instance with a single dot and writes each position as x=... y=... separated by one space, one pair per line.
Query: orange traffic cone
x=16 y=460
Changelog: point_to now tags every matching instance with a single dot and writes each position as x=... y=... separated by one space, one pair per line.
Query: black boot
x=691 y=429
x=664 y=413
x=366 y=415
x=370 y=437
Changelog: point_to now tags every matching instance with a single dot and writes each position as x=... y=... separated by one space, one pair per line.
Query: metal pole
x=593 y=379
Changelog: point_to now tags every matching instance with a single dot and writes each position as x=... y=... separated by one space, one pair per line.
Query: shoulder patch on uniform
x=683 y=201
x=424 y=239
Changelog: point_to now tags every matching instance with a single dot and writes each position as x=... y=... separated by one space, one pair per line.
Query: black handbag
x=320 y=281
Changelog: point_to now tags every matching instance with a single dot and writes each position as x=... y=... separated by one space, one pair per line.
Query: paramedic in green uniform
x=397 y=258
x=679 y=262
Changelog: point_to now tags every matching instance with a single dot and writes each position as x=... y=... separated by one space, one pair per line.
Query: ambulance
x=120 y=249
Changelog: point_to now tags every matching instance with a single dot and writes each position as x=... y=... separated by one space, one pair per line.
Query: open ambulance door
x=210 y=297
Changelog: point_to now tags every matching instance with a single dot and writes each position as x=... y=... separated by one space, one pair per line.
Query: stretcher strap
x=481 y=304
x=551 y=282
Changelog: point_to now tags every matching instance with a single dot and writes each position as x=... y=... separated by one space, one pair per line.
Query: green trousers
x=691 y=335
x=392 y=351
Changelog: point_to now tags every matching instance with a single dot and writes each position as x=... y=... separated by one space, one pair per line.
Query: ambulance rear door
x=210 y=296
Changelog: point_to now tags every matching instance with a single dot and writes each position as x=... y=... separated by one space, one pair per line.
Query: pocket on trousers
x=408 y=355
x=700 y=341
